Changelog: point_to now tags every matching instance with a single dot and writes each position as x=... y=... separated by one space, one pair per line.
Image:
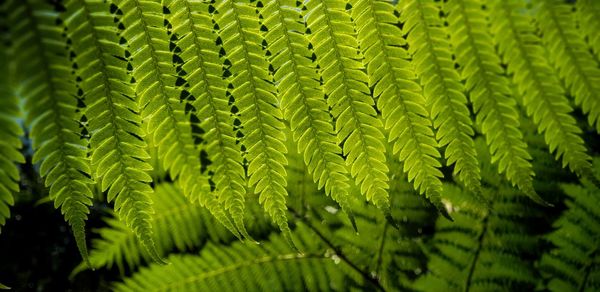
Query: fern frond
x=490 y=93
x=539 y=89
x=51 y=90
x=483 y=251
x=574 y=262
x=178 y=225
x=249 y=268
x=253 y=94
x=431 y=50
x=10 y=129
x=119 y=157
x=358 y=128
x=399 y=97
x=303 y=101
x=588 y=12
x=158 y=87
x=393 y=255
x=570 y=55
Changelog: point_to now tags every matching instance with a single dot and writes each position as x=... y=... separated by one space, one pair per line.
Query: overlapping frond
x=588 y=12
x=46 y=76
x=302 y=99
x=178 y=225
x=490 y=92
x=539 y=89
x=569 y=53
x=482 y=250
x=442 y=87
x=334 y=38
x=118 y=151
x=252 y=92
x=254 y=268
x=574 y=262
x=392 y=253
x=160 y=81
x=10 y=129
x=399 y=96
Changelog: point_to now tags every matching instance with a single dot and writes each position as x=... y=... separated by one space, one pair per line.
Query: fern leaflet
x=569 y=53
x=118 y=150
x=490 y=93
x=334 y=38
x=539 y=89
x=427 y=40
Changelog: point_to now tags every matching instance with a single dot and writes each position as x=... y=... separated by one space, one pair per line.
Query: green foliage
x=574 y=262
x=181 y=114
x=255 y=268
x=177 y=224
x=10 y=130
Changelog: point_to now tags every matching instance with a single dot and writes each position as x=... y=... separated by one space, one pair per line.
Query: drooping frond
x=569 y=53
x=490 y=92
x=252 y=92
x=574 y=262
x=250 y=268
x=442 y=87
x=178 y=225
x=539 y=89
x=48 y=79
x=158 y=85
x=119 y=157
x=399 y=97
x=10 y=129
x=303 y=101
x=482 y=250
x=588 y=12
x=334 y=38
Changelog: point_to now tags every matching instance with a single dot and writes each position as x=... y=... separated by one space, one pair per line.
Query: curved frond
x=490 y=93
x=178 y=225
x=588 y=12
x=399 y=97
x=334 y=38
x=159 y=86
x=10 y=128
x=119 y=157
x=303 y=101
x=252 y=92
x=252 y=268
x=442 y=87
x=483 y=251
x=51 y=89
x=569 y=53
x=574 y=262
x=539 y=89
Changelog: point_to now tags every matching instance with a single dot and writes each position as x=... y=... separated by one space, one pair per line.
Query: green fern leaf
x=260 y=116
x=427 y=40
x=252 y=268
x=483 y=251
x=539 y=89
x=119 y=157
x=490 y=93
x=52 y=99
x=10 y=129
x=302 y=100
x=177 y=224
x=399 y=97
x=574 y=262
x=588 y=12
x=570 y=55
x=358 y=128
x=154 y=68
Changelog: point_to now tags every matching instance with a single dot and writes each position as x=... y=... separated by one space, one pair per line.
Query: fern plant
x=159 y=108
